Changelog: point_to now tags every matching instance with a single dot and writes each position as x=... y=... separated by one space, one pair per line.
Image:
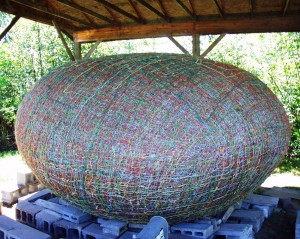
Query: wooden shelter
x=105 y=20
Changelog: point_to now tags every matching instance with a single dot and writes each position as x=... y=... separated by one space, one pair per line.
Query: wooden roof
x=91 y=20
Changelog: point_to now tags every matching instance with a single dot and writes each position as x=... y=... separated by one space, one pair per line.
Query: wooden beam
x=93 y=48
x=212 y=46
x=119 y=10
x=286 y=5
x=158 y=13
x=218 y=7
x=41 y=8
x=77 y=51
x=196 y=45
x=185 y=8
x=87 y=11
x=217 y=26
x=63 y=40
x=10 y=25
x=178 y=45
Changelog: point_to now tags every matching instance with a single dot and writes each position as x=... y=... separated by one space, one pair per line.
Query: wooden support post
x=63 y=40
x=77 y=51
x=212 y=45
x=11 y=24
x=196 y=45
x=178 y=45
x=90 y=52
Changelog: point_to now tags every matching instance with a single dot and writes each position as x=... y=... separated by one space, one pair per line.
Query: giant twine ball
x=132 y=136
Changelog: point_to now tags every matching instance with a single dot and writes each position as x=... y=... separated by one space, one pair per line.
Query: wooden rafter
x=176 y=43
x=119 y=10
x=216 y=26
x=7 y=29
x=182 y=5
x=136 y=10
x=162 y=7
x=87 y=11
x=158 y=13
x=39 y=7
x=251 y=7
x=218 y=7
x=63 y=40
x=192 y=7
x=286 y=5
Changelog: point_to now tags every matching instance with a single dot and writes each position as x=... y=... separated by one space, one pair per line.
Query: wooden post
x=77 y=51
x=178 y=45
x=196 y=45
x=11 y=24
x=212 y=45
x=90 y=52
x=63 y=41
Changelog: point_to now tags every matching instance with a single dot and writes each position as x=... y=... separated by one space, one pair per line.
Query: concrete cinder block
x=196 y=230
x=11 y=193
x=297 y=226
x=26 y=212
x=45 y=219
x=267 y=210
x=128 y=235
x=252 y=216
x=33 y=186
x=114 y=227
x=235 y=231
x=14 y=230
x=69 y=230
x=25 y=177
x=44 y=194
x=215 y=222
x=157 y=227
x=95 y=231
x=68 y=213
x=245 y=205
x=262 y=200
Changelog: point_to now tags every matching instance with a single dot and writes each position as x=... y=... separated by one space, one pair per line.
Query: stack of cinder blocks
x=54 y=217
x=26 y=183
x=240 y=221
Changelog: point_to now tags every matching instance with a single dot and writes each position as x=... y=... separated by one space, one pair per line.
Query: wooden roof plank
x=216 y=26
x=41 y=8
x=119 y=10
x=158 y=13
x=185 y=8
x=87 y=11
